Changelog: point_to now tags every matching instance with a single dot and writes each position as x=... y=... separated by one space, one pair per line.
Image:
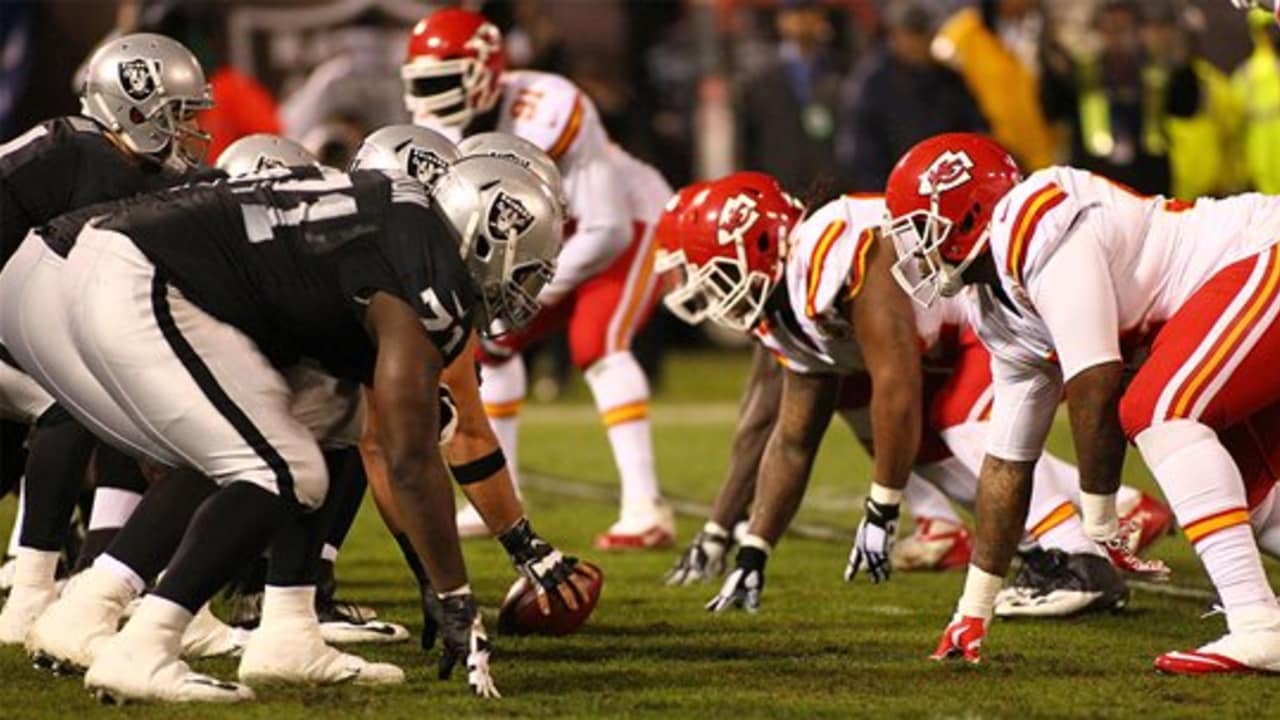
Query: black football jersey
x=61 y=165
x=292 y=257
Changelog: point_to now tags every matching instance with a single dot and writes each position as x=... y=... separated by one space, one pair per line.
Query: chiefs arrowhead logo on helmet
x=737 y=215
x=508 y=216
x=136 y=79
x=949 y=171
x=426 y=166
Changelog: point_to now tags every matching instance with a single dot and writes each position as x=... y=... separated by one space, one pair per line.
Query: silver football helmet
x=423 y=154
x=263 y=151
x=145 y=89
x=518 y=150
x=510 y=232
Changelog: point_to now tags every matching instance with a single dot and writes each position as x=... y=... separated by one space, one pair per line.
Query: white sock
x=15 y=535
x=621 y=392
x=121 y=572
x=1205 y=489
x=1053 y=520
x=289 y=605
x=502 y=389
x=979 y=596
x=1266 y=524
x=924 y=500
x=35 y=568
x=112 y=507
x=954 y=478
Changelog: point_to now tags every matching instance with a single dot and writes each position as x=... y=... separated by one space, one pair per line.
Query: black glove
x=432 y=616
x=545 y=567
x=744 y=585
x=465 y=642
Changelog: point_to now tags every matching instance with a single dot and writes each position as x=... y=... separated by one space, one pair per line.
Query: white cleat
x=649 y=528
x=24 y=606
x=65 y=637
x=1256 y=651
x=294 y=652
x=207 y=636
x=343 y=632
x=132 y=668
x=470 y=524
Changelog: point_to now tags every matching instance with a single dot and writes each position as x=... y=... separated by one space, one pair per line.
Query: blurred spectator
x=1117 y=101
x=995 y=46
x=897 y=97
x=534 y=41
x=1257 y=84
x=785 y=114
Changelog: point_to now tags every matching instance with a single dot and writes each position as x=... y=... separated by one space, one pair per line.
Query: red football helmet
x=733 y=235
x=452 y=67
x=940 y=197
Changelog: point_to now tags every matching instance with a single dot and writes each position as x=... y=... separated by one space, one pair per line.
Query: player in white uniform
x=1079 y=272
x=603 y=289
x=721 y=240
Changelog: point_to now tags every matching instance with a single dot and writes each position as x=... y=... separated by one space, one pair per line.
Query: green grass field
x=819 y=648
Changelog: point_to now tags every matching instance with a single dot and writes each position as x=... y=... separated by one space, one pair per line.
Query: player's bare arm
x=1093 y=399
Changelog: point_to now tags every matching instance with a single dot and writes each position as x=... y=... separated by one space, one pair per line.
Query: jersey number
x=437 y=319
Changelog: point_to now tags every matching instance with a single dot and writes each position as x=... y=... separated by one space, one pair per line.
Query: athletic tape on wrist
x=481 y=468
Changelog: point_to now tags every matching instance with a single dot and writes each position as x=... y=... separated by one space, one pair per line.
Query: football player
x=1073 y=273
x=456 y=81
x=727 y=238
x=357 y=272
x=136 y=133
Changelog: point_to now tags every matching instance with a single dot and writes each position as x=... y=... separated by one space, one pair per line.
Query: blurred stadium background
x=1173 y=96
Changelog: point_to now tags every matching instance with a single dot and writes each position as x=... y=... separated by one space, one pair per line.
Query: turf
x=819 y=648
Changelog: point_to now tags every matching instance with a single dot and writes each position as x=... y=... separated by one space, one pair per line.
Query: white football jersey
x=1089 y=268
x=825 y=265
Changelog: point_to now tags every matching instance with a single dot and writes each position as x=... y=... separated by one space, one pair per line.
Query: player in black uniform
x=135 y=136
x=186 y=302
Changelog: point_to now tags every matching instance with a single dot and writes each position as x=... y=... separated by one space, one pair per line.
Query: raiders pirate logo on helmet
x=136 y=79
x=426 y=166
x=508 y=216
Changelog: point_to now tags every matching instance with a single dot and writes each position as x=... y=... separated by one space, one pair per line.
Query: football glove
x=703 y=560
x=962 y=639
x=1119 y=549
x=432 y=615
x=546 y=569
x=743 y=586
x=464 y=641
x=874 y=542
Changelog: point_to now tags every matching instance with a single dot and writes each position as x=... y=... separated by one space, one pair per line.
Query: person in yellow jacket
x=1257 y=86
x=995 y=48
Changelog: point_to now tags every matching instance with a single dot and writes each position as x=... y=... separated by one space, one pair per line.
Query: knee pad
x=1159 y=441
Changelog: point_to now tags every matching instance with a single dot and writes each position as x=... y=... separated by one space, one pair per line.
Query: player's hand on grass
x=1120 y=549
x=873 y=542
x=465 y=642
x=743 y=586
x=704 y=558
x=546 y=569
x=962 y=639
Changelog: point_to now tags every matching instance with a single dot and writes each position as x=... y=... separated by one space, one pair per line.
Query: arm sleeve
x=1026 y=399
x=1075 y=296
x=598 y=203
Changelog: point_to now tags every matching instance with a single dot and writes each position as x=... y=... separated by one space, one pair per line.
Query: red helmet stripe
x=866 y=239
x=1024 y=226
x=570 y=132
x=816 y=262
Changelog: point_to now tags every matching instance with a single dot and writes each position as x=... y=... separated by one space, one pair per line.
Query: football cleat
x=65 y=637
x=1053 y=583
x=344 y=623
x=1150 y=517
x=129 y=668
x=25 y=604
x=295 y=652
x=653 y=529
x=470 y=524
x=962 y=639
x=935 y=544
x=1119 y=550
x=207 y=636
x=1244 y=652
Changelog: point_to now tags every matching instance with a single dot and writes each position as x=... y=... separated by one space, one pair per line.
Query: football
x=520 y=614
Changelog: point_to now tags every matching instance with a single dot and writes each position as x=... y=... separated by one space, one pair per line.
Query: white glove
x=704 y=559
x=874 y=542
x=743 y=586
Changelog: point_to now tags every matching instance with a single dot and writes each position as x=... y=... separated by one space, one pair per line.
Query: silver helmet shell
x=516 y=149
x=262 y=151
x=421 y=153
x=145 y=88
x=510 y=234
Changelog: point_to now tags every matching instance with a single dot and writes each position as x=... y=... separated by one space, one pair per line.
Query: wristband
x=481 y=468
x=980 y=590
x=464 y=589
x=882 y=495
